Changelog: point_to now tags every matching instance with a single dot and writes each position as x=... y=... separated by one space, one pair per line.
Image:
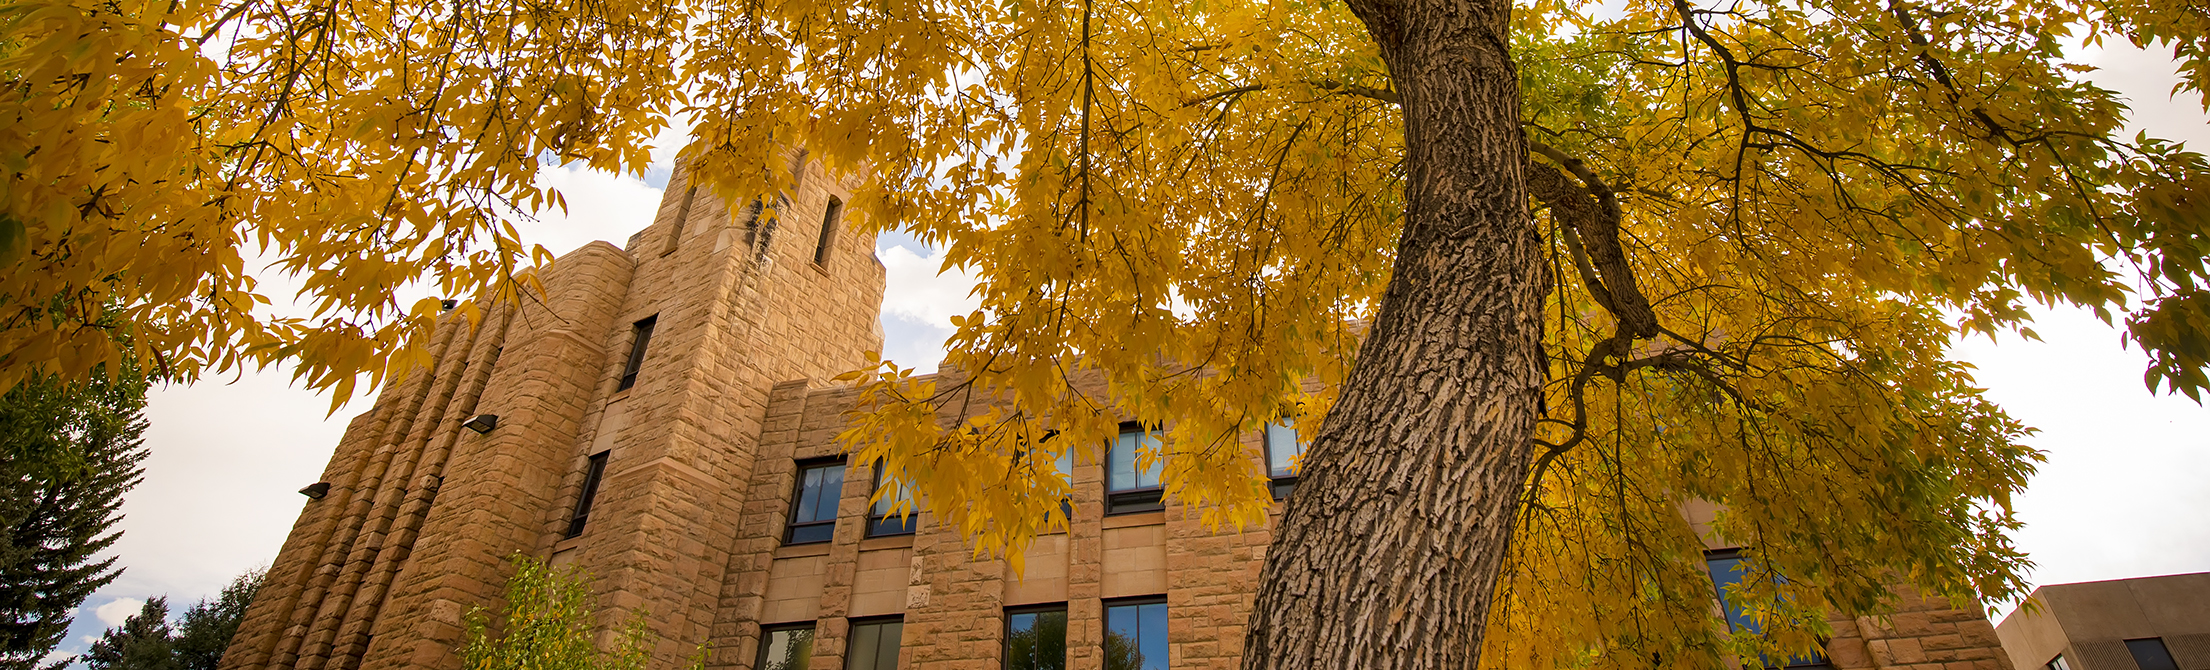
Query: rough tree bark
x=1388 y=553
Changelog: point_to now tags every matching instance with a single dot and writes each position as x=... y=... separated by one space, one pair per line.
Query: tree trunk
x=1388 y=553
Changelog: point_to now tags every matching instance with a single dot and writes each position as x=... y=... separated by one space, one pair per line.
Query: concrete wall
x=2089 y=622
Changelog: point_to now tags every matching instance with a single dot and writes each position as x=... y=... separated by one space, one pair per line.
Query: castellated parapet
x=699 y=452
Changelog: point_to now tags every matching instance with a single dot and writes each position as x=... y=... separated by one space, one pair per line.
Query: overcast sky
x=2123 y=493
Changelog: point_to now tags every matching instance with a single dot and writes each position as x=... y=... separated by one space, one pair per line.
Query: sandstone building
x=662 y=419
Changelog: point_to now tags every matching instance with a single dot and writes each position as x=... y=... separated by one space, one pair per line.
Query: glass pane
x=2151 y=654
x=2059 y=664
x=1135 y=637
x=891 y=525
x=813 y=532
x=874 y=646
x=1123 y=474
x=886 y=652
x=1066 y=466
x=1725 y=573
x=809 y=495
x=817 y=497
x=860 y=655
x=889 y=503
x=1281 y=446
x=1121 y=464
x=1153 y=635
x=787 y=649
x=1122 y=637
x=1036 y=641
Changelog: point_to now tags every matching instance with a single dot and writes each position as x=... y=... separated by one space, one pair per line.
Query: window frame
x=791 y=525
x=877 y=518
x=1281 y=485
x=851 y=638
x=640 y=337
x=1105 y=625
x=594 y=472
x=1005 y=656
x=1135 y=499
x=2058 y=663
x=767 y=631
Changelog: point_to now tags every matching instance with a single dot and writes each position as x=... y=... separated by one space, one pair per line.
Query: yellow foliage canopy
x=1196 y=203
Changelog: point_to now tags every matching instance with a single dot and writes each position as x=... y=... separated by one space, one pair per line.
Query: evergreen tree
x=205 y=633
x=142 y=643
x=67 y=455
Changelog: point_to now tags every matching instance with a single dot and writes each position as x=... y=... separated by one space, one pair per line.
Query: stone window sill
x=803 y=550
x=1157 y=518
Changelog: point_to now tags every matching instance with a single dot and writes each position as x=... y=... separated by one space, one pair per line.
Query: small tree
x=546 y=625
x=205 y=633
x=68 y=452
x=141 y=643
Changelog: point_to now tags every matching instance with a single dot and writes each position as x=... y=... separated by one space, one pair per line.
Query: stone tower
x=647 y=369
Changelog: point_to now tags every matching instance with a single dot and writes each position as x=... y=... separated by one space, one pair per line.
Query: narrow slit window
x=813 y=502
x=640 y=337
x=1131 y=484
x=682 y=218
x=829 y=216
x=594 y=471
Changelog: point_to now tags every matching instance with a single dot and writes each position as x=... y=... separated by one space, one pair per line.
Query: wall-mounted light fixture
x=448 y=304
x=316 y=490
x=481 y=423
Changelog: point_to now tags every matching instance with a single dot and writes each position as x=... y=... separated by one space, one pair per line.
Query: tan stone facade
x=702 y=460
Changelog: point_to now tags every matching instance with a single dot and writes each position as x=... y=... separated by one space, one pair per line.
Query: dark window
x=813 y=504
x=786 y=647
x=682 y=217
x=2058 y=663
x=1284 y=457
x=641 y=336
x=894 y=513
x=592 y=472
x=1135 y=634
x=829 y=215
x=1065 y=466
x=2150 y=654
x=874 y=644
x=1728 y=568
x=1129 y=488
x=1036 y=638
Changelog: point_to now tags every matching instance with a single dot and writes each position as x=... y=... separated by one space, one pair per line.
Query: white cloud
x=2145 y=77
x=116 y=611
x=601 y=206
x=919 y=299
x=2121 y=490
x=920 y=288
